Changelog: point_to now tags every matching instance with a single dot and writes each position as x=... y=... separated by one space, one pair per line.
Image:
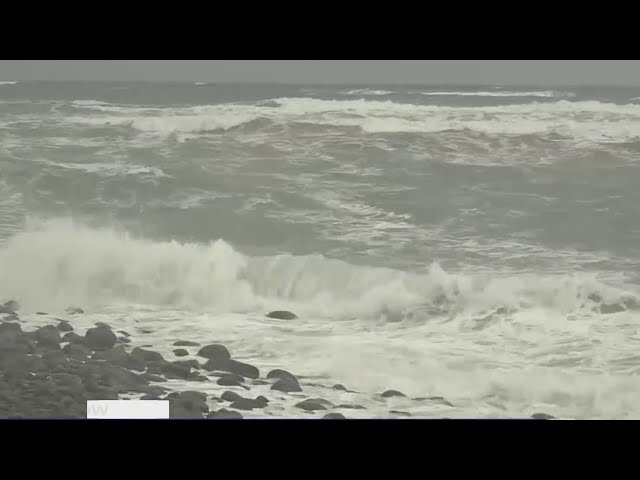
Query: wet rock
x=64 y=326
x=193 y=363
x=398 y=412
x=55 y=360
x=611 y=308
x=230 y=380
x=196 y=377
x=73 y=337
x=392 y=393
x=286 y=385
x=124 y=340
x=247 y=404
x=282 y=315
x=215 y=352
x=11 y=318
x=224 y=413
x=119 y=356
x=311 y=405
x=185 y=343
x=42 y=313
x=193 y=396
x=229 y=396
x=154 y=390
x=282 y=374
x=174 y=371
x=334 y=416
x=74 y=310
x=260 y=382
x=183 y=411
x=11 y=305
x=47 y=336
x=102 y=324
x=232 y=366
x=150 y=397
x=77 y=351
x=351 y=407
x=263 y=400
x=123 y=333
x=100 y=338
x=153 y=378
x=147 y=356
x=180 y=352
x=4 y=309
x=542 y=416
x=339 y=387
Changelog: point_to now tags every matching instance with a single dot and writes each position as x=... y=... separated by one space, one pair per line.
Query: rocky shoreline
x=51 y=371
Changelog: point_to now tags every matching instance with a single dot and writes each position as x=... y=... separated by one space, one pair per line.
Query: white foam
x=62 y=263
x=367 y=92
x=580 y=121
x=535 y=93
x=8 y=83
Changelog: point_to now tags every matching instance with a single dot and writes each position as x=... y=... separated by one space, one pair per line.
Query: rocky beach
x=52 y=370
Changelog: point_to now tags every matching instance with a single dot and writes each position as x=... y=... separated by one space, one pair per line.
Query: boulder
x=100 y=338
x=282 y=315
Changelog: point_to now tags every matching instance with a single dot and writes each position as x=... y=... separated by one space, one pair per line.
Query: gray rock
x=230 y=380
x=611 y=308
x=64 y=326
x=340 y=387
x=334 y=416
x=102 y=324
x=77 y=351
x=180 y=352
x=229 y=396
x=11 y=305
x=119 y=356
x=351 y=407
x=224 y=413
x=196 y=377
x=193 y=363
x=73 y=337
x=42 y=313
x=311 y=405
x=74 y=310
x=247 y=404
x=47 y=336
x=147 y=356
x=193 y=395
x=123 y=333
x=153 y=378
x=542 y=416
x=392 y=393
x=232 y=366
x=123 y=339
x=286 y=385
x=185 y=343
x=282 y=315
x=100 y=338
x=282 y=374
x=11 y=318
x=215 y=352
x=398 y=412
x=175 y=371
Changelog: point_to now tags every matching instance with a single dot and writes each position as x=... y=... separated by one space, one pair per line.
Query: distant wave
x=582 y=120
x=545 y=94
x=9 y=83
x=367 y=91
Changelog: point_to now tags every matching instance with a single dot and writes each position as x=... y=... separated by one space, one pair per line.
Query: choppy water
x=462 y=242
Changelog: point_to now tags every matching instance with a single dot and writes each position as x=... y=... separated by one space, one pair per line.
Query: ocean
x=480 y=244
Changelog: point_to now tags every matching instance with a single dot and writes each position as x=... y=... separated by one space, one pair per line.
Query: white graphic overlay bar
x=128 y=409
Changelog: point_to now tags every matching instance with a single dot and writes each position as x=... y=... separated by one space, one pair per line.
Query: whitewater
x=478 y=244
